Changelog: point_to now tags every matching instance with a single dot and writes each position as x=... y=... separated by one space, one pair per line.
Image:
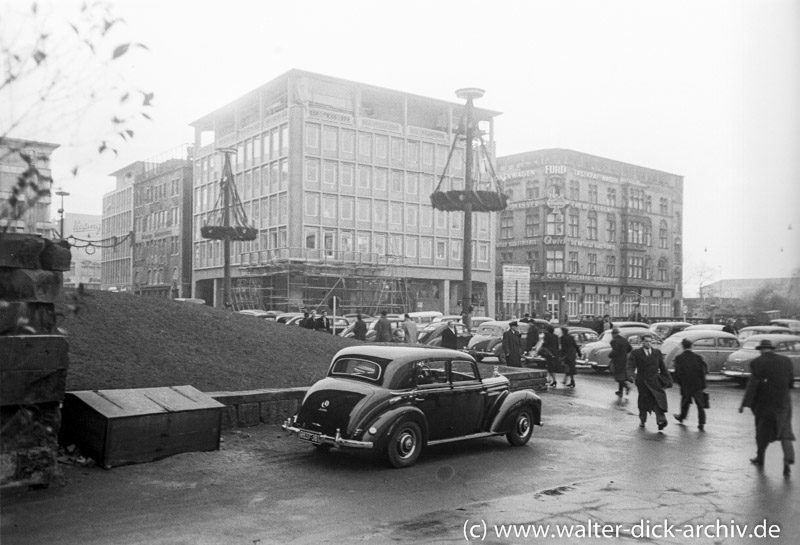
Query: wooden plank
x=33 y=352
x=29 y=387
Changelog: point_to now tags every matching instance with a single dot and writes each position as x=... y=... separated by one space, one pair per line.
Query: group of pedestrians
x=317 y=323
x=555 y=351
x=767 y=394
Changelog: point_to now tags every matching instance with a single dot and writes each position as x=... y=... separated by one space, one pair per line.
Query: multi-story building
x=160 y=208
x=31 y=212
x=336 y=176
x=599 y=236
x=116 y=263
x=84 y=233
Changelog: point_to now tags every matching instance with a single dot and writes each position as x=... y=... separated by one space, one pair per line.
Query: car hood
x=740 y=358
x=332 y=404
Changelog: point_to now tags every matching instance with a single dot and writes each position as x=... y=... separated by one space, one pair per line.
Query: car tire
x=522 y=428
x=323 y=447
x=405 y=444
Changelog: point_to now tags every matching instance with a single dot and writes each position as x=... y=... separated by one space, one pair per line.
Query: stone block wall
x=33 y=359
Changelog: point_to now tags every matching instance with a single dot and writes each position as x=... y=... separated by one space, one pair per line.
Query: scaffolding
x=291 y=285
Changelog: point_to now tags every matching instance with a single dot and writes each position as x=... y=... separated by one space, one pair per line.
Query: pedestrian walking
x=768 y=396
x=531 y=338
x=618 y=360
x=360 y=328
x=690 y=374
x=569 y=351
x=323 y=323
x=409 y=329
x=635 y=315
x=550 y=352
x=383 y=329
x=310 y=320
x=646 y=364
x=605 y=325
x=512 y=345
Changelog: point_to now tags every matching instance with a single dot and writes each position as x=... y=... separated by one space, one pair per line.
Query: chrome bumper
x=729 y=373
x=336 y=441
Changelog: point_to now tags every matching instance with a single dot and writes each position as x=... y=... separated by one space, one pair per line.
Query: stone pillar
x=33 y=359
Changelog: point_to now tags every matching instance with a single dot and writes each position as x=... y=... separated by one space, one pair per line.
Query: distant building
x=23 y=218
x=84 y=233
x=336 y=176
x=152 y=208
x=599 y=236
x=745 y=287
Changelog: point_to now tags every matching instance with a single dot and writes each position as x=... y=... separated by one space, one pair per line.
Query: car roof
x=768 y=328
x=773 y=337
x=630 y=324
x=693 y=334
x=578 y=329
x=394 y=351
x=671 y=324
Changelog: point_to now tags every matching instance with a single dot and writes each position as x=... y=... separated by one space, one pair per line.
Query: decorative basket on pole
x=226 y=222
x=469 y=199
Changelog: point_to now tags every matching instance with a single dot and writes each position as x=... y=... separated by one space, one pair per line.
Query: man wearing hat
x=690 y=374
x=618 y=361
x=512 y=345
x=768 y=396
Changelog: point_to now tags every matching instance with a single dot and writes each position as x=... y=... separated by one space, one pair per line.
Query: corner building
x=598 y=235
x=336 y=176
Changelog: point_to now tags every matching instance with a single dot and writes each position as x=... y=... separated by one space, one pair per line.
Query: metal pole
x=466 y=301
x=61 y=193
x=226 y=242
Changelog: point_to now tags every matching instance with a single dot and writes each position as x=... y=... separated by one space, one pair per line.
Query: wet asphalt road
x=590 y=468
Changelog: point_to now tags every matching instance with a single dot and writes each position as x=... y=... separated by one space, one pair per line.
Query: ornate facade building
x=336 y=177
x=599 y=236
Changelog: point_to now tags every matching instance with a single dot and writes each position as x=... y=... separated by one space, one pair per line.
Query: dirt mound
x=119 y=340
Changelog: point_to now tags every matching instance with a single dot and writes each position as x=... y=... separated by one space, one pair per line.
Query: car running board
x=463 y=437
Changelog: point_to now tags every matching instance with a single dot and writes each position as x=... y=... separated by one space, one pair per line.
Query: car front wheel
x=405 y=444
x=522 y=428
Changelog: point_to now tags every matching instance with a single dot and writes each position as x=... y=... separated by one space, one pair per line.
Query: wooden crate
x=118 y=427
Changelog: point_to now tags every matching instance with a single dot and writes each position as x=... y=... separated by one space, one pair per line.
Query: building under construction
x=336 y=177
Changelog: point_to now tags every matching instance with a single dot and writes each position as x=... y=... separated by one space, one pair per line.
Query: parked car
x=596 y=354
x=447 y=318
x=424 y=317
x=398 y=335
x=667 y=329
x=620 y=325
x=713 y=345
x=432 y=334
x=339 y=323
x=737 y=364
x=582 y=336
x=286 y=316
x=794 y=325
x=488 y=339
x=398 y=400
x=707 y=327
x=476 y=321
x=255 y=312
x=749 y=331
x=352 y=317
x=348 y=331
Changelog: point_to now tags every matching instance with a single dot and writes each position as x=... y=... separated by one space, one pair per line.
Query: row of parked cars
x=724 y=352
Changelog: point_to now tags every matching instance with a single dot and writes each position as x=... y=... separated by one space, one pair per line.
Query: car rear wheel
x=522 y=428
x=405 y=444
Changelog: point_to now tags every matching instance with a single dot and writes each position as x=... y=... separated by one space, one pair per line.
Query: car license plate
x=308 y=436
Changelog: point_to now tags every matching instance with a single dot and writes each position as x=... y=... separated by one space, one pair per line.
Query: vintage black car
x=395 y=400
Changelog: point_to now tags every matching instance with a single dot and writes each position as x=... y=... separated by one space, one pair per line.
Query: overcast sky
x=709 y=90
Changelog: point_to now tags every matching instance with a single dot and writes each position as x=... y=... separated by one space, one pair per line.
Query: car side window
x=728 y=343
x=430 y=372
x=706 y=343
x=462 y=371
x=461 y=329
x=634 y=339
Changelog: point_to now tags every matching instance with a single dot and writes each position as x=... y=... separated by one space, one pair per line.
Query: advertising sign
x=517 y=284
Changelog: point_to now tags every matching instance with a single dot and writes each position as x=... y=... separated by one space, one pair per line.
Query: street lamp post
x=61 y=193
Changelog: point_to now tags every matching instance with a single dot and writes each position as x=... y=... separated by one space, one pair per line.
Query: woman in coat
x=618 y=359
x=569 y=351
x=550 y=352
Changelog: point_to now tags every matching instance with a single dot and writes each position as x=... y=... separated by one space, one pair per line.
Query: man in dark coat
x=768 y=396
x=618 y=360
x=690 y=374
x=323 y=323
x=512 y=345
x=309 y=322
x=531 y=337
x=569 y=351
x=449 y=338
x=551 y=352
x=383 y=329
x=360 y=328
x=646 y=364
